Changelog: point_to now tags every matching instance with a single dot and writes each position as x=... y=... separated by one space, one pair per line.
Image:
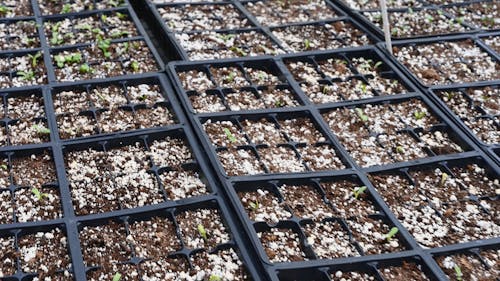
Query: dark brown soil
x=210 y=220
x=407 y=272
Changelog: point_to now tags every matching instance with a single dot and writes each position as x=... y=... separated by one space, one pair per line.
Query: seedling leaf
x=254 y=205
x=66 y=8
x=419 y=114
x=458 y=272
x=444 y=177
x=26 y=75
x=229 y=135
x=135 y=66
x=85 y=68
x=307 y=44
x=378 y=64
x=358 y=191
x=41 y=129
x=39 y=195
x=202 y=231
x=361 y=114
x=4 y=167
x=392 y=233
x=400 y=149
x=214 y=277
x=117 y=277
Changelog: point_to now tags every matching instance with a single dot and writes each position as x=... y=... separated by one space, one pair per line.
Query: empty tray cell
x=478 y=109
x=282 y=245
x=406 y=271
x=15 y=35
x=329 y=240
x=153 y=239
x=270 y=13
x=305 y=202
x=9 y=256
x=419 y=22
x=95 y=27
x=183 y=183
x=469 y=267
x=481 y=15
x=219 y=45
x=493 y=42
x=46 y=254
x=15 y=8
x=52 y=7
x=351 y=275
x=331 y=35
x=448 y=62
x=188 y=17
x=238 y=162
x=218 y=265
x=24 y=69
x=202 y=228
x=102 y=60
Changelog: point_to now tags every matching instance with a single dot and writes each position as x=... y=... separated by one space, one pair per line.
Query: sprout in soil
x=135 y=66
x=214 y=277
x=4 y=10
x=202 y=231
x=40 y=129
x=325 y=89
x=238 y=51
x=85 y=68
x=26 y=75
x=444 y=177
x=230 y=77
x=364 y=88
x=226 y=37
x=55 y=39
x=119 y=34
x=358 y=191
x=121 y=16
x=254 y=205
x=458 y=272
x=34 y=58
x=66 y=8
x=307 y=44
x=104 y=45
x=229 y=135
x=279 y=103
x=39 y=195
x=400 y=149
x=378 y=64
x=361 y=114
x=419 y=114
x=117 y=277
x=4 y=167
x=392 y=233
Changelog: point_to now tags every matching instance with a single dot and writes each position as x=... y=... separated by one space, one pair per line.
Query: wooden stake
x=386 y=24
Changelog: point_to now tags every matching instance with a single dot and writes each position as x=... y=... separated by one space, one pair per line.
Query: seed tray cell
x=475 y=108
x=480 y=15
x=493 y=42
x=83 y=111
x=460 y=60
x=374 y=4
x=54 y=7
x=15 y=8
x=482 y=264
x=22 y=69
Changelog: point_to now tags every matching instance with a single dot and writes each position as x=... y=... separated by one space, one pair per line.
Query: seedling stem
x=202 y=231
x=392 y=233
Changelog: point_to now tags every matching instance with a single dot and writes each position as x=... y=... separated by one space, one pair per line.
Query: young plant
x=444 y=177
x=307 y=44
x=378 y=64
x=458 y=272
x=135 y=66
x=254 y=205
x=34 y=58
x=26 y=75
x=104 y=45
x=4 y=10
x=202 y=232
x=238 y=51
x=361 y=115
x=39 y=195
x=214 y=277
x=55 y=38
x=40 y=129
x=392 y=233
x=119 y=34
x=230 y=77
x=4 y=167
x=229 y=135
x=117 y=277
x=85 y=68
x=358 y=191
x=121 y=16
x=400 y=149
x=419 y=114
x=226 y=37
x=66 y=8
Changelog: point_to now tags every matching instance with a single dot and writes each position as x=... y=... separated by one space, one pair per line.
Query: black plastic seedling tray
x=49 y=47
x=170 y=37
x=271 y=183
x=73 y=220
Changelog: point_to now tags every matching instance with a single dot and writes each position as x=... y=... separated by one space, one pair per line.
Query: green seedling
x=119 y=34
x=378 y=64
x=104 y=45
x=39 y=195
x=307 y=44
x=230 y=78
x=226 y=37
x=361 y=114
x=458 y=272
x=238 y=51
x=429 y=18
x=325 y=89
x=4 y=167
x=85 y=26
x=394 y=31
x=104 y=18
x=55 y=38
x=214 y=277
x=202 y=231
x=96 y=30
x=41 y=129
x=229 y=135
x=460 y=20
x=116 y=3
x=358 y=191
x=254 y=205
x=410 y=10
x=400 y=150
x=60 y=60
x=85 y=68
x=135 y=66
x=440 y=12
x=419 y=114
x=66 y=9
x=261 y=76
x=121 y=16
x=279 y=103
x=488 y=20
x=364 y=88
x=4 y=10
x=34 y=58
x=444 y=177
x=117 y=277
x=26 y=75
x=392 y=233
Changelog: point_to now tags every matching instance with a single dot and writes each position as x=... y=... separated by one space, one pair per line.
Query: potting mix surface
x=228 y=140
